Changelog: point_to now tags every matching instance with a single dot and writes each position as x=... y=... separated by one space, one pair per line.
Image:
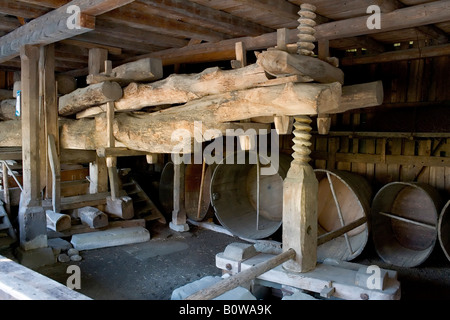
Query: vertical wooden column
x=98 y=170
x=97 y=58
x=32 y=219
x=30 y=125
x=49 y=124
x=300 y=189
x=178 y=222
x=111 y=162
x=98 y=176
x=324 y=120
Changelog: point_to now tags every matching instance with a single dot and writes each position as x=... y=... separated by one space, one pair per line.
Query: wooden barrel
x=235 y=198
x=343 y=200
x=444 y=230
x=404 y=220
x=192 y=187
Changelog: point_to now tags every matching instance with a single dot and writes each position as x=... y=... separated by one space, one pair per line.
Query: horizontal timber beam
x=409 y=54
x=55 y=26
x=426 y=161
x=410 y=17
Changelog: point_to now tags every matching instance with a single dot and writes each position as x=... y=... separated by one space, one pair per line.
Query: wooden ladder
x=143 y=205
x=5 y=223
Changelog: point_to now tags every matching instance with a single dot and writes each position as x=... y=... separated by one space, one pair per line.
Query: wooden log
x=57 y=221
x=95 y=94
x=186 y=87
x=121 y=207
x=92 y=217
x=8 y=110
x=138 y=131
x=281 y=63
x=242 y=277
x=6 y=94
x=144 y=70
x=66 y=84
x=178 y=89
x=362 y=96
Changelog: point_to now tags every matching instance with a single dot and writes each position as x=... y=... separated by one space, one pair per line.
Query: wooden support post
x=56 y=173
x=32 y=218
x=111 y=162
x=49 y=106
x=97 y=58
x=241 y=56
x=178 y=222
x=30 y=125
x=98 y=176
x=282 y=39
x=300 y=192
x=115 y=204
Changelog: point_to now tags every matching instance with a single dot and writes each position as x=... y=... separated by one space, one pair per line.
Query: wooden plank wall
x=6 y=80
x=406 y=139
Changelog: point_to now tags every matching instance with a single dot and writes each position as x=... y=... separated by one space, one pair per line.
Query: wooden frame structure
x=123 y=50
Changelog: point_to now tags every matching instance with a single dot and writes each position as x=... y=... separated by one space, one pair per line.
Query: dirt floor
x=153 y=269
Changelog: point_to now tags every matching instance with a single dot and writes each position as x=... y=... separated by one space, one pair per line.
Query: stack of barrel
x=404 y=219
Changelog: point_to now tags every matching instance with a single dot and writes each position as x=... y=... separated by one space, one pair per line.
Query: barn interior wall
x=405 y=139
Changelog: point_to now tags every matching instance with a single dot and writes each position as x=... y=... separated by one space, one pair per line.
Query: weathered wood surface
x=94 y=94
x=151 y=132
x=178 y=89
x=241 y=278
x=57 y=221
x=8 y=110
x=92 y=217
x=360 y=96
x=46 y=29
x=281 y=63
x=144 y=70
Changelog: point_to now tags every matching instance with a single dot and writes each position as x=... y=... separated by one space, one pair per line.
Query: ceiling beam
x=46 y=29
x=93 y=8
x=17 y=9
x=410 y=17
x=147 y=17
x=398 y=55
x=206 y=17
x=414 y=16
x=52 y=26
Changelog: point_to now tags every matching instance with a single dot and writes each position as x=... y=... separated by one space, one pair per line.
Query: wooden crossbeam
x=46 y=29
x=410 y=17
x=53 y=26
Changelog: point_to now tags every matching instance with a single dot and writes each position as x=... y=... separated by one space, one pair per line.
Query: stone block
x=110 y=238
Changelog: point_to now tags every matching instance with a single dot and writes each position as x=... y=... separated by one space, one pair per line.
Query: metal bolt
x=228 y=266
x=364 y=296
